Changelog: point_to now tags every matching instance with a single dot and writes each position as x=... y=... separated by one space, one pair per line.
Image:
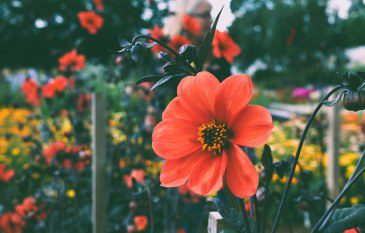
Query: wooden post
x=215 y=222
x=98 y=111
x=334 y=124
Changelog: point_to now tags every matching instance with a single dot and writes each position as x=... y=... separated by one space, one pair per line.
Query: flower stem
x=244 y=215
x=296 y=158
x=254 y=198
x=178 y=56
x=328 y=214
x=151 y=210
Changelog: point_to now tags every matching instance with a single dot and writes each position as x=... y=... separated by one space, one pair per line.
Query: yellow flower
x=350 y=169
x=35 y=175
x=354 y=200
x=71 y=193
x=15 y=151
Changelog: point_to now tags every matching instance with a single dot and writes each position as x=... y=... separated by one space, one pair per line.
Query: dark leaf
x=188 y=52
x=170 y=68
x=124 y=43
x=330 y=103
x=166 y=79
x=283 y=166
x=346 y=218
x=165 y=57
x=267 y=161
x=149 y=78
x=230 y=215
x=138 y=52
x=147 y=45
x=206 y=45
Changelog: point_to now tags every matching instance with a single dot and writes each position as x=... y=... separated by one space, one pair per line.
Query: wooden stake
x=98 y=111
x=334 y=124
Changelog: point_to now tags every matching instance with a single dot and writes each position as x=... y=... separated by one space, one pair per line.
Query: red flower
x=224 y=46
x=202 y=130
x=157 y=32
x=99 y=4
x=178 y=41
x=48 y=90
x=84 y=99
x=91 y=21
x=30 y=91
x=141 y=222
x=71 y=61
x=27 y=208
x=11 y=223
x=192 y=25
x=51 y=151
x=60 y=83
x=5 y=176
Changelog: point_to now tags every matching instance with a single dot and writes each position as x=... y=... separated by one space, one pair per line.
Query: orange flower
x=5 y=176
x=60 y=83
x=71 y=61
x=99 y=4
x=137 y=174
x=192 y=25
x=178 y=41
x=91 y=21
x=48 y=90
x=141 y=222
x=157 y=33
x=30 y=91
x=201 y=131
x=225 y=47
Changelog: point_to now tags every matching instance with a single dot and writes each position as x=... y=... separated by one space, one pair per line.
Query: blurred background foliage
x=35 y=32
x=296 y=42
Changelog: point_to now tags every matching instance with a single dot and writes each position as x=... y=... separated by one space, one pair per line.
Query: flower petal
x=242 y=178
x=175 y=138
x=176 y=172
x=176 y=110
x=233 y=95
x=196 y=94
x=207 y=176
x=252 y=126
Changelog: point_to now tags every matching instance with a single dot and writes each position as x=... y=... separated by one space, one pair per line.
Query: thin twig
x=296 y=158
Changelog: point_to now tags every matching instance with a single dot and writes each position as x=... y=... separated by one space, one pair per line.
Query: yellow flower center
x=214 y=136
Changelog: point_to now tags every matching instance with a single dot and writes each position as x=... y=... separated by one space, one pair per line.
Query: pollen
x=214 y=136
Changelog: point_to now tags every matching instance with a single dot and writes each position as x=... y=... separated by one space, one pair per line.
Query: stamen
x=214 y=136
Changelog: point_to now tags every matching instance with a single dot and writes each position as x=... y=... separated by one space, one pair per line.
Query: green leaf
x=346 y=218
x=206 y=46
x=230 y=215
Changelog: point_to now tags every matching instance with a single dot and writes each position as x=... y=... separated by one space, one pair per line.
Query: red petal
x=176 y=110
x=196 y=94
x=207 y=176
x=242 y=178
x=252 y=126
x=232 y=96
x=175 y=138
x=176 y=172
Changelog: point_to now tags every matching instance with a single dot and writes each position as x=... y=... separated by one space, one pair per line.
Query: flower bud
x=131 y=229
x=354 y=101
x=132 y=206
